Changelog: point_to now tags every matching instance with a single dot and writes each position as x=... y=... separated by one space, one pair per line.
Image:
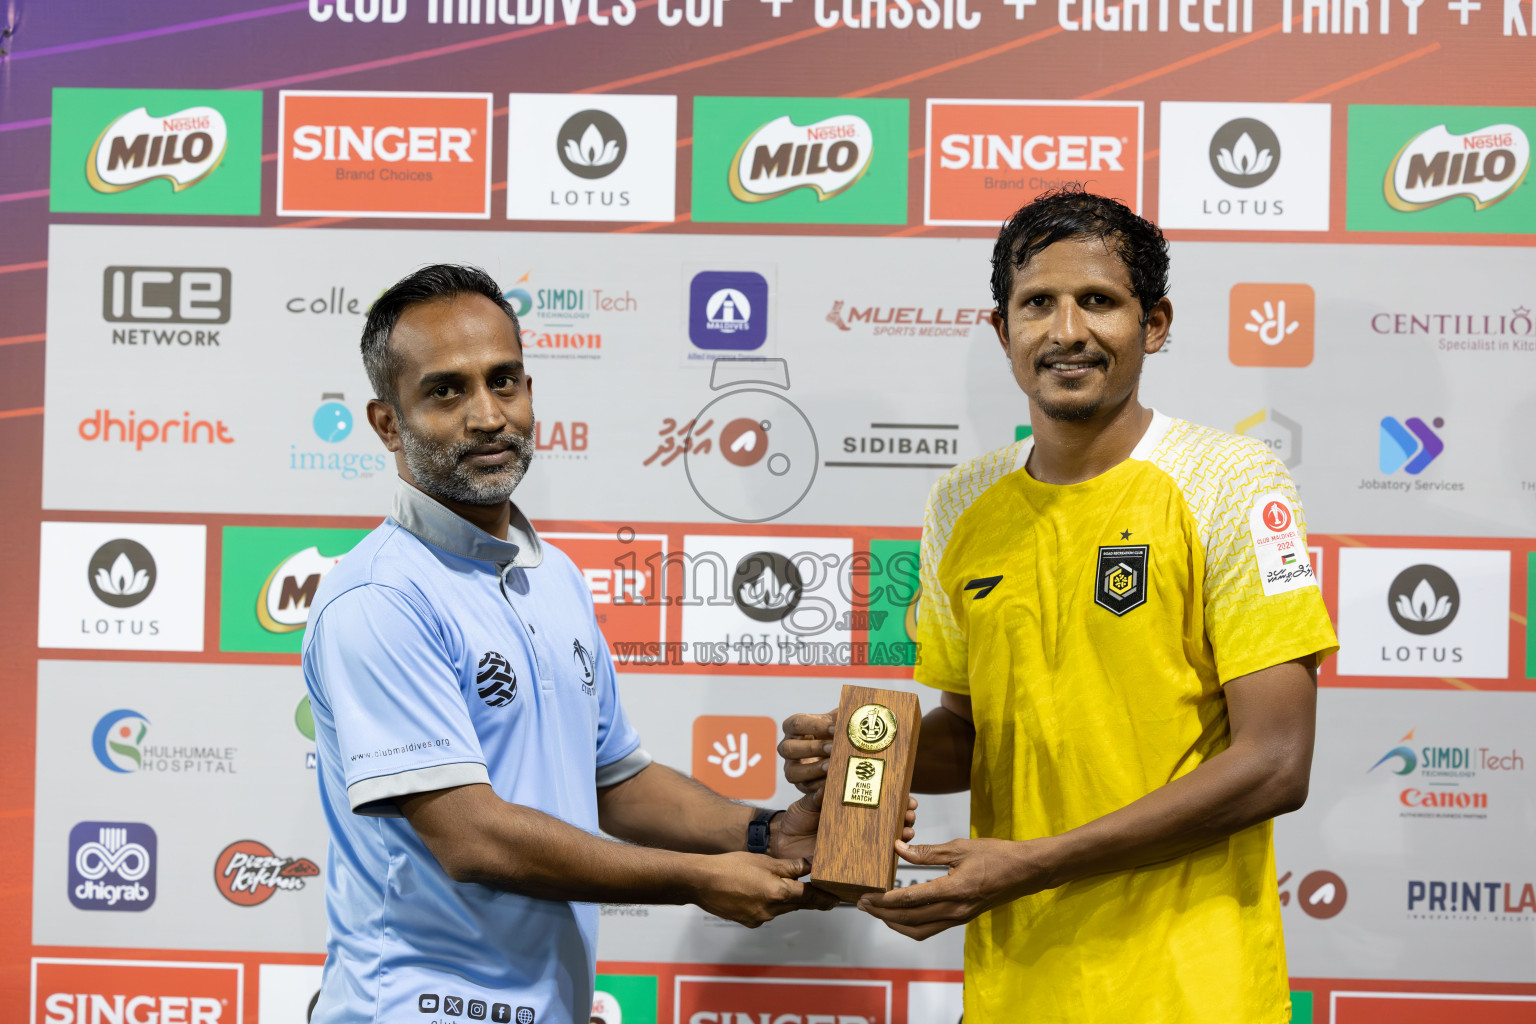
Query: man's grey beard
x=440 y=470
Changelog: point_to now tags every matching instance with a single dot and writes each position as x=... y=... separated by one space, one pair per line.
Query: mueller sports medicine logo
x=68 y=991
x=1438 y=165
x=827 y=157
x=384 y=154
x=248 y=872
x=195 y=296
x=112 y=865
x=183 y=148
x=908 y=321
x=988 y=158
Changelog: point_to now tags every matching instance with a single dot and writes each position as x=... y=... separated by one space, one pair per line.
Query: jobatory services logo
x=799 y=161
x=725 y=1000
x=987 y=158
x=1407 y=447
x=734 y=755
x=248 y=873
x=121 y=586
x=1440 y=169
x=1244 y=166
x=1279 y=433
x=591 y=158
x=384 y=154
x=1419 y=612
x=268 y=580
x=112 y=865
x=121 y=742
x=728 y=311
x=180 y=302
x=75 y=991
x=170 y=151
x=1271 y=324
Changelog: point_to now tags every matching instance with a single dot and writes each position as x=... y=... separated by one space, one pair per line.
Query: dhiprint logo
x=1245 y=152
x=592 y=144
x=766 y=586
x=1409 y=446
x=164 y=295
x=1438 y=165
x=733 y=755
x=247 y=873
x=121 y=573
x=495 y=680
x=1271 y=324
x=728 y=310
x=112 y=865
x=1424 y=599
x=118 y=740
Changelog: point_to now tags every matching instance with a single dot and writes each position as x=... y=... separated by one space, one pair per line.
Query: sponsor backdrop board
x=749 y=248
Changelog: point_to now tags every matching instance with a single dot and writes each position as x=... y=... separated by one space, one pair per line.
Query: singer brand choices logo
x=1440 y=169
x=138 y=991
x=1270 y=324
x=384 y=154
x=734 y=755
x=156 y=151
x=708 y=1000
x=800 y=161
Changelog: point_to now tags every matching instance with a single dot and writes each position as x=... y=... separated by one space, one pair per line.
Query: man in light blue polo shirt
x=469 y=733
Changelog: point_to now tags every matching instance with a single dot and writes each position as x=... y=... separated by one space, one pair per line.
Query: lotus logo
x=183 y=148
x=828 y=157
x=1245 y=152
x=766 y=586
x=592 y=144
x=1423 y=599
x=122 y=573
x=1438 y=165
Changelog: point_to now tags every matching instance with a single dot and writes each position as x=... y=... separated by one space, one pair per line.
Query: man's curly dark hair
x=1073 y=212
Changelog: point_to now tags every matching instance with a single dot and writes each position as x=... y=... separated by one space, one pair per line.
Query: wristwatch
x=757 y=830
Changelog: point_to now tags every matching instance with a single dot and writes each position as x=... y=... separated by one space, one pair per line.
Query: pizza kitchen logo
x=247 y=873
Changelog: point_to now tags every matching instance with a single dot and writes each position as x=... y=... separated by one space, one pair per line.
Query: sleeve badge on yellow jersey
x=1121 y=581
x=1278 y=545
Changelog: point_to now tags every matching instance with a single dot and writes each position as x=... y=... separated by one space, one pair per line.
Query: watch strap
x=757 y=830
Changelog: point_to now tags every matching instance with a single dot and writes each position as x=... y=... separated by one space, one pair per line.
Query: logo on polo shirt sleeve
x=1122 y=578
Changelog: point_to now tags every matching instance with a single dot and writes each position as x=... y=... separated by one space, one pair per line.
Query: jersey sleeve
x=619 y=754
x=1263 y=606
x=383 y=676
x=941 y=645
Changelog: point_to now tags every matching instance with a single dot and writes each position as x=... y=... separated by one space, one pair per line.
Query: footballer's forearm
x=945 y=747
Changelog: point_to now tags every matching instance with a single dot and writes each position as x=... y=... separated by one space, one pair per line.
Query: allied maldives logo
x=156 y=151
x=728 y=310
x=112 y=865
x=248 y=873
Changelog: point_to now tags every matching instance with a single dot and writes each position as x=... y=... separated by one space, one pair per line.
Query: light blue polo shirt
x=440 y=656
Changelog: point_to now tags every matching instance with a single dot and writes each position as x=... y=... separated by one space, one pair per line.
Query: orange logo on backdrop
x=90 y=991
x=384 y=154
x=790 y=1001
x=1270 y=325
x=627 y=594
x=734 y=755
x=985 y=160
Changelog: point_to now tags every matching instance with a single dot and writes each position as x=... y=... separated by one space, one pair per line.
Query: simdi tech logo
x=799 y=161
x=384 y=154
x=987 y=158
x=176 y=151
x=268 y=583
x=1440 y=169
x=69 y=991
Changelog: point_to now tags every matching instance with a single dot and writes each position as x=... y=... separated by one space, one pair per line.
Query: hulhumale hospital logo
x=118 y=740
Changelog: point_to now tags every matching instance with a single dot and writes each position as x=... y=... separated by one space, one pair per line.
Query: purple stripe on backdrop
x=36 y=122
x=14 y=196
x=165 y=30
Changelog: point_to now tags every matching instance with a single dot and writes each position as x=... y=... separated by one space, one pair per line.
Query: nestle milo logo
x=828 y=157
x=183 y=148
x=1438 y=165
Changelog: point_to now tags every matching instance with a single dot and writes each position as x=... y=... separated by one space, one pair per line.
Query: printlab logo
x=728 y=310
x=1121 y=578
x=121 y=573
x=247 y=873
x=1321 y=894
x=1278 y=432
x=112 y=865
x=165 y=295
x=1245 y=152
x=592 y=144
x=495 y=680
x=1271 y=324
x=1423 y=599
x=118 y=740
x=729 y=755
x=766 y=586
x=1409 y=446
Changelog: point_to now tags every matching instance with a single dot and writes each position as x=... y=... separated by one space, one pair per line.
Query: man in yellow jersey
x=1124 y=623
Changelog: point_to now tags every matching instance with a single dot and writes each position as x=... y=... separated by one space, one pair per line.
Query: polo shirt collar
x=440 y=526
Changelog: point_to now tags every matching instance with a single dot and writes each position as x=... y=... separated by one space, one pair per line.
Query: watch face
x=767 y=457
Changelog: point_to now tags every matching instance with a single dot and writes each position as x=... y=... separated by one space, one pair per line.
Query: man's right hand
x=751 y=888
x=807 y=742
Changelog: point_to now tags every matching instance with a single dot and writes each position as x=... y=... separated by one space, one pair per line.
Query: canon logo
x=95 y=1008
x=1039 y=153
x=739 y=1017
x=415 y=144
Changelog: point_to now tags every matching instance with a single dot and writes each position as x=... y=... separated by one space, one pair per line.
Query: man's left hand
x=794 y=832
x=983 y=874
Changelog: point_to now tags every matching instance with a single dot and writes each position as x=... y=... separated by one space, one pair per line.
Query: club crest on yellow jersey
x=1120 y=584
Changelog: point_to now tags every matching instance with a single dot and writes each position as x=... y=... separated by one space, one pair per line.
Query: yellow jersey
x=1092 y=626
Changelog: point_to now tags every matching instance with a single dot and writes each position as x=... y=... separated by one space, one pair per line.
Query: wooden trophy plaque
x=874 y=746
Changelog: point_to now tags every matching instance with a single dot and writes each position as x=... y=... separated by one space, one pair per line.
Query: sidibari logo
x=827 y=157
x=1438 y=165
x=183 y=148
x=248 y=872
